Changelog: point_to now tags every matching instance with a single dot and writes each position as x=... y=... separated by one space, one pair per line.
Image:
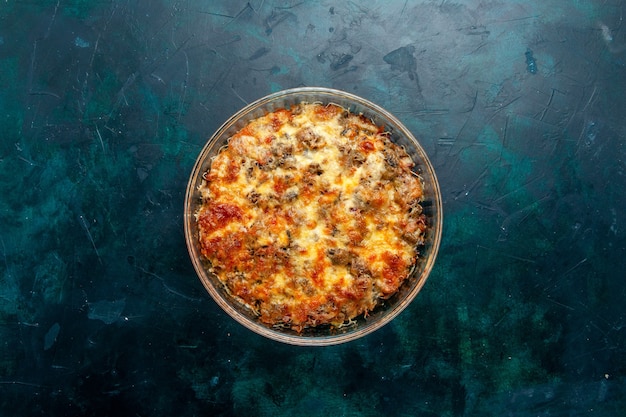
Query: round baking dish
x=389 y=308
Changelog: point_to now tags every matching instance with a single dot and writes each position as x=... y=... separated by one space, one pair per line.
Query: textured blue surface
x=104 y=106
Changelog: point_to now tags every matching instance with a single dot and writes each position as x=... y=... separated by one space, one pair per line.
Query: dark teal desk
x=104 y=106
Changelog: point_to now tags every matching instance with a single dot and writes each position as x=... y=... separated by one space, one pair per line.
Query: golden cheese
x=310 y=216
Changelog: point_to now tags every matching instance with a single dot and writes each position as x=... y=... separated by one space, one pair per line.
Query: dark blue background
x=104 y=106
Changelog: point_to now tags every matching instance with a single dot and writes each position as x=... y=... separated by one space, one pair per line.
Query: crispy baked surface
x=311 y=216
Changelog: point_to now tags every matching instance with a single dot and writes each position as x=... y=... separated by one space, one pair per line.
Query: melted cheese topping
x=311 y=216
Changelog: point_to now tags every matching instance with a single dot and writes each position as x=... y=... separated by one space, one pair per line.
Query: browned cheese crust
x=310 y=216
